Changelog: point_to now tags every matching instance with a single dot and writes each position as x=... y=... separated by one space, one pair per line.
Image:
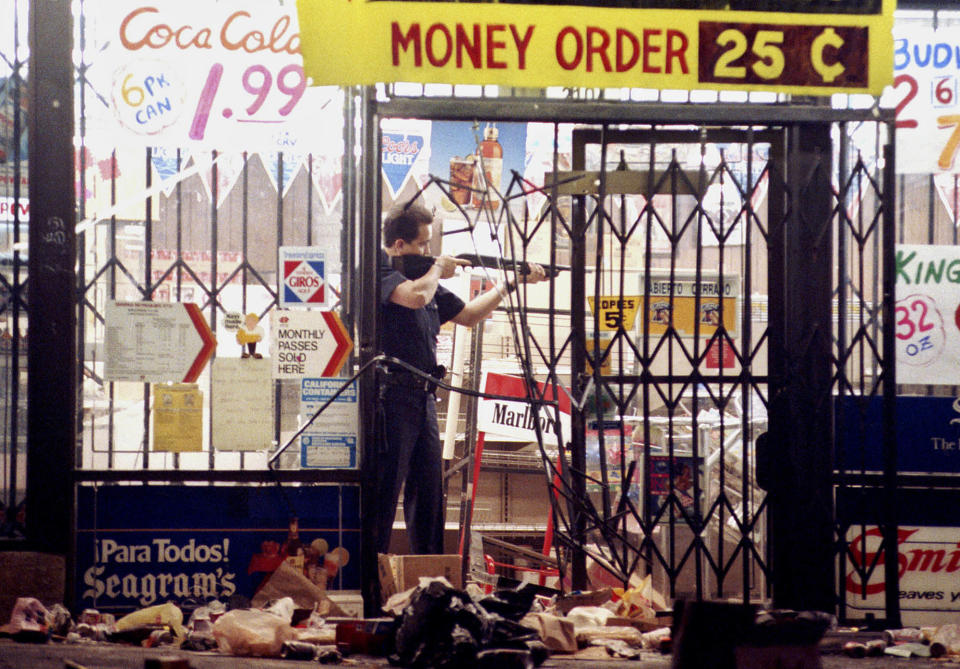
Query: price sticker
x=783 y=55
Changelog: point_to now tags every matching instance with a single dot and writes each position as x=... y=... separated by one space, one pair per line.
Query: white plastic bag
x=252 y=632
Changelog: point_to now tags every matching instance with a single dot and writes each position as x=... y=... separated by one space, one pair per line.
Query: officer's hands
x=535 y=275
x=448 y=265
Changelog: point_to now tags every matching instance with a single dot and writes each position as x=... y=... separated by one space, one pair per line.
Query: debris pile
x=435 y=624
x=935 y=641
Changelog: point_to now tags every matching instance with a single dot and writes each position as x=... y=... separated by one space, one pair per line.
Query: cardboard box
x=402 y=572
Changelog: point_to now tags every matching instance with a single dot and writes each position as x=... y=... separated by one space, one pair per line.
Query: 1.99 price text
x=258 y=82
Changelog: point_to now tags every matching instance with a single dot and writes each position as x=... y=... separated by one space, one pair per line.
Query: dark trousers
x=410 y=455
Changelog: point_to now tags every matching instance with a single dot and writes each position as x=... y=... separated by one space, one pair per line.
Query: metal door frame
x=806 y=151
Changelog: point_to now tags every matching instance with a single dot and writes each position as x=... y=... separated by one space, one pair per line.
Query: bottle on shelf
x=293 y=553
x=489 y=169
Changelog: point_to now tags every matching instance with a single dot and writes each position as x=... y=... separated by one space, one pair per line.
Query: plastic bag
x=282 y=608
x=589 y=616
x=28 y=615
x=252 y=632
x=162 y=614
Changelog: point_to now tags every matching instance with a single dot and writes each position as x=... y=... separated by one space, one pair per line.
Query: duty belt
x=406 y=379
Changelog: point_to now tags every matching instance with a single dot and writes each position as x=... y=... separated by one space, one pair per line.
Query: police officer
x=412 y=309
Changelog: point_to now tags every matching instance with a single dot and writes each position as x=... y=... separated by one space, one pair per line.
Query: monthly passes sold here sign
x=308 y=343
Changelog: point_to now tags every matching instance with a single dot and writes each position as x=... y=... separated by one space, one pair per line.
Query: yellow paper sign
x=615 y=311
x=351 y=42
x=177 y=418
x=692 y=307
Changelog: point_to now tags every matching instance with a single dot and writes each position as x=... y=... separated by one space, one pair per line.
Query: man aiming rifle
x=413 y=306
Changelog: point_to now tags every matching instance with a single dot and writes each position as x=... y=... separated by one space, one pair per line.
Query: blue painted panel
x=928 y=434
x=144 y=545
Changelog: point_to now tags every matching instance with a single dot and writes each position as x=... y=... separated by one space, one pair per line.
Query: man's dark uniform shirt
x=410 y=452
x=411 y=334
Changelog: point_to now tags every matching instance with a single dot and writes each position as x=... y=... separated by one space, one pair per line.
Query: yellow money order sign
x=361 y=42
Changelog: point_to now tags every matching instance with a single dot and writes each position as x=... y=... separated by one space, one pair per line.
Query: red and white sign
x=308 y=343
x=928 y=563
x=720 y=355
x=8 y=206
x=304 y=277
x=518 y=419
x=156 y=342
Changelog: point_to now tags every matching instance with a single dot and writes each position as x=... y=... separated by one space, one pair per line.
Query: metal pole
x=369 y=226
x=890 y=523
x=52 y=355
x=578 y=380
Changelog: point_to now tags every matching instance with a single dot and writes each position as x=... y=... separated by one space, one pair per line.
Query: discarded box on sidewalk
x=371 y=636
x=402 y=572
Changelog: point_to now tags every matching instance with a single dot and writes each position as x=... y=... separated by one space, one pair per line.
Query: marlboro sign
x=519 y=420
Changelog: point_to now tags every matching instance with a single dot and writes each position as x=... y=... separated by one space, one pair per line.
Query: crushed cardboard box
x=287 y=581
x=402 y=572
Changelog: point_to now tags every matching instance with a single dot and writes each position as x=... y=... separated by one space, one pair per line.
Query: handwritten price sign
x=204 y=74
x=924 y=92
x=927 y=314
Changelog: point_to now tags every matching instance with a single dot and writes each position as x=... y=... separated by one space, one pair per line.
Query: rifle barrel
x=520 y=266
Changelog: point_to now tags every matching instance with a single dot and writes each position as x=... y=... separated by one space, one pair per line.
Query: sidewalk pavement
x=112 y=656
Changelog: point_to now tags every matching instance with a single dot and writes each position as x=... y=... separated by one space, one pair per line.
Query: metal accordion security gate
x=731 y=278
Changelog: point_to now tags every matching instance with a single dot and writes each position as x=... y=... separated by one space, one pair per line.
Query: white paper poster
x=155 y=342
x=927 y=314
x=924 y=93
x=202 y=74
x=308 y=343
x=241 y=404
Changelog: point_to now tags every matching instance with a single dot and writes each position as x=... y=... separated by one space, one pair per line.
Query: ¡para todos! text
x=160 y=550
